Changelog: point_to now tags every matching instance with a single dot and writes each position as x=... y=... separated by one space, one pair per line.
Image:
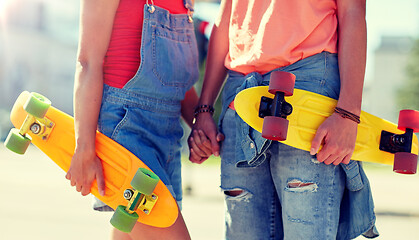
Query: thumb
x=220 y=137
x=100 y=182
x=216 y=144
x=317 y=141
x=215 y=147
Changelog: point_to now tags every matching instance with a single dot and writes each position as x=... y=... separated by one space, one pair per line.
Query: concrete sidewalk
x=37 y=202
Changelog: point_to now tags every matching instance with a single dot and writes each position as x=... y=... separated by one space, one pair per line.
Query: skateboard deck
x=119 y=164
x=309 y=110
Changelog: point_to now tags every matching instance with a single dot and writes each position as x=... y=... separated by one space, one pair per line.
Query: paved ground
x=33 y=192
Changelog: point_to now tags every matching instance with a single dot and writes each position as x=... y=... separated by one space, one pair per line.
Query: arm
x=339 y=134
x=188 y=106
x=214 y=77
x=96 y=20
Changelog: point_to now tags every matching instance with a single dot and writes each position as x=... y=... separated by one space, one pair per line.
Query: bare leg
x=177 y=231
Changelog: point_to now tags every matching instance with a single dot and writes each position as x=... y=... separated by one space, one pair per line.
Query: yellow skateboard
x=292 y=116
x=132 y=189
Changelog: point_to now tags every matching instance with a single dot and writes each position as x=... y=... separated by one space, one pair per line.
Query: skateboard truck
x=141 y=196
x=393 y=143
x=277 y=106
x=137 y=200
x=275 y=111
x=281 y=84
x=41 y=127
x=36 y=107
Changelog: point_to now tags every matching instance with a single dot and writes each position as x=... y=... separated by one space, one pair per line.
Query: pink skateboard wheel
x=275 y=128
x=282 y=82
x=405 y=163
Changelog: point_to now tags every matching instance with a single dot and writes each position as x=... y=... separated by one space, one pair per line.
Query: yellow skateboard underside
x=119 y=164
x=309 y=111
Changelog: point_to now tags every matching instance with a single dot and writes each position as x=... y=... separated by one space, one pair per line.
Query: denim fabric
x=144 y=116
x=335 y=204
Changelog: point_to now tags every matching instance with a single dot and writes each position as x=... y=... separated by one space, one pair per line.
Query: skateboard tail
x=15 y=114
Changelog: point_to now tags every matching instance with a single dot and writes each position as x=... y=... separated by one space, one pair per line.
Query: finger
x=215 y=146
x=196 y=137
x=347 y=159
x=68 y=176
x=322 y=158
x=193 y=157
x=338 y=161
x=205 y=144
x=323 y=155
x=85 y=190
x=73 y=182
x=196 y=149
x=317 y=141
x=205 y=141
x=334 y=155
x=79 y=187
x=332 y=159
x=202 y=143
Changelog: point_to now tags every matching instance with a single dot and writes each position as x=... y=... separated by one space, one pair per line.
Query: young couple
x=136 y=66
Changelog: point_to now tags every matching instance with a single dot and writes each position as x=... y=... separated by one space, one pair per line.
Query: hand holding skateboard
x=132 y=189
x=293 y=116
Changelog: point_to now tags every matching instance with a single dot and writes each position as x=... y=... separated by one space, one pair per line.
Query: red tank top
x=123 y=56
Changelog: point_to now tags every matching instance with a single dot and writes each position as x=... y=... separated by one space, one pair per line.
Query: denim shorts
x=144 y=116
x=288 y=194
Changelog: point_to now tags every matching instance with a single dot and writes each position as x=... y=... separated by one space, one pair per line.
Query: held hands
x=204 y=139
x=85 y=168
x=338 y=136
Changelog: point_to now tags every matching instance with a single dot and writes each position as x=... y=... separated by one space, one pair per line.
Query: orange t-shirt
x=265 y=35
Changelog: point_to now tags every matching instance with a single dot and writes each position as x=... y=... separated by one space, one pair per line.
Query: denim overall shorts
x=144 y=116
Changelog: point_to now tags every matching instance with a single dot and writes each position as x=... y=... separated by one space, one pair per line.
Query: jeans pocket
x=175 y=57
x=332 y=77
x=353 y=176
x=111 y=119
x=120 y=124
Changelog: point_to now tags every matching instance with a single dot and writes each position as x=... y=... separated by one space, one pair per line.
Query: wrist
x=85 y=146
x=348 y=115
x=201 y=116
x=204 y=108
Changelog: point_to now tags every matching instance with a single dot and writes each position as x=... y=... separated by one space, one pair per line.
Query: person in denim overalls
x=272 y=190
x=144 y=114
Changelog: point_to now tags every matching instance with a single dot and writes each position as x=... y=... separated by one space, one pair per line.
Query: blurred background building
x=38 y=44
x=389 y=75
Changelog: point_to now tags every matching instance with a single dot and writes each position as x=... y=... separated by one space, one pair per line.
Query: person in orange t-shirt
x=274 y=191
x=136 y=65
